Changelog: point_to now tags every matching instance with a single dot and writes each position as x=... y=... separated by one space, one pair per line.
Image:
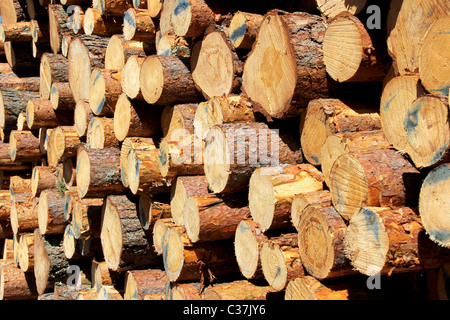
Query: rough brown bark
x=12 y=103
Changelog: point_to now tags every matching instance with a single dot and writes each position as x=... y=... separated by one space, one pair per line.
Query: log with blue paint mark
x=97 y=24
x=139 y=26
x=244 y=27
x=104 y=91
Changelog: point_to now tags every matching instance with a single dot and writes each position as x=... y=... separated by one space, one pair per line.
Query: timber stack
x=192 y=149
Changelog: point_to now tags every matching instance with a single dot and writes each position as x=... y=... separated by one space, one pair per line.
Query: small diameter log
x=6 y=164
x=293 y=79
x=20 y=32
x=86 y=218
x=325 y=117
x=5 y=205
x=272 y=190
x=82 y=117
x=51 y=212
x=380 y=177
x=140 y=284
x=124 y=242
x=104 y=91
x=243 y=29
x=127 y=145
x=119 y=50
x=24 y=215
x=112 y=7
x=101 y=275
x=382 y=240
x=98 y=172
x=26 y=252
x=216 y=50
x=360 y=55
x=154 y=8
x=165 y=19
x=134 y=118
x=69 y=292
x=10 y=80
x=70 y=198
x=150 y=210
x=237 y=290
x=434 y=204
x=12 y=12
x=427 y=129
x=100 y=133
x=15 y=284
x=191 y=18
x=40 y=113
x=85 y=53
x=248 y=241
x=178 y=119
x=109 y=293
x=70 y=244
x=24 y=146
x=43 y=177
x=171 y=45
x=77 y=19
x=182 y=188
x=211 y=217
x=62 y=143
x=18 y=184
x=159 y=231
x=398 y=94
x=12 y=103
x=130 y=77
x=321 y=233
x=228 y=168
x=431 y=62
x=332 y=8
x=95 y=23
x=303 y=200
x=59 y=24
x=184 y=261
x=345 y=142
x=280 y=260
x=61 y=97
x=40 y=32
x=50 y=263
x=309 y=288
x=166 y=80
x=138 y=25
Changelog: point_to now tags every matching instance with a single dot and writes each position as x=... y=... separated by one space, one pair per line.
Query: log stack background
x=117 y=118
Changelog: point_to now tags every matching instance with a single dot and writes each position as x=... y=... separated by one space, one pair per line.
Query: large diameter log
x=166 y=80
x=119 y=50
x=380 y=177
x=16 y=284
x=124 y=243
x=434 y=204
x=216 y=50
x=40 y=113
x=53 y=68
x=104 y=90
x=382 y=240
x=294 y=78
x=398 y=94
x=100 y=133
x=43 y=177
x=138 y=25
x=24 y=146
x=244 y=28
x=230 y=155
x=140 y=284
x=325 y=117
x=12 y=103
x=427 y=129
x=272 y=190
x=211 y=217
x=98 y=172
x=59 y=24
x=51 y=212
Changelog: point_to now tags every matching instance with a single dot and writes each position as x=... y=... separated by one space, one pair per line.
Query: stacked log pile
x=199 y=150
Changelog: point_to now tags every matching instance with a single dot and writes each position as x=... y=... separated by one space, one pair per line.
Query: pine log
x=40 y=31
x=127 y=145
x=331 y=8
x=5 y=205
x=248 y=241
x=70 y=244
x=140 y=284
x=150 y=210
x=134 y=118
x=166 y=80
x=44 y=134
x=325 y=117
x=302 y=200
x=101 y=275
x=280 y=260
x=184 y=291
x=382 y=240
x=154 y=8
x=86 y=218
x=293 y=79
x=229 y=168
x=112 y=7
x=12 y=12
x=82 y=117
x=100 y=133
x=171 y=45
x=62 y=143
x=358 y=56
x=130 y=77
x=24 y=146
x=182 y=188
x=104 y=91
x=22 y=122
x=380 y=178
x=309 y=288
x=84 y=54
x=24 y=215
x=77 y=18
x=6 y=164
x=12 y=103
x=70 y=198
x=345 y=142
x=178 y=120
x=11 y=80
x=98 y=172
x=243 y=29
x=431 y=62
x=53 y=68
x=51 y=212
x=19 y=184
x=210 y=217
x=26 y=252
x=217 y=70
x=40 y=113
x=20 y=32
x=138 y=25
x=16 y=284
x=398 y=94
x=159 y=231
x=95 y=23
x=434 y=204
x=427 y=129
x=119 y=50
x=58 y=25
x=407 y=24
x=43 y=178
x=109 y=293
x=68 y=292
x=165 y=19
x=124 y=243
x=272 y=190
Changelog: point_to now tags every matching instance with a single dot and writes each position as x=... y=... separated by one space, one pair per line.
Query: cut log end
x=173 y=254
x=246 y=249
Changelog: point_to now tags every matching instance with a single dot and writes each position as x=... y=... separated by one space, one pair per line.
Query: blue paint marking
x=100 y=105
x=128 y=19
x=444 y=91
x=165 y=53
x=437 y=175
x=438 y=156
x=412 y=118
x=388 y=104
x=243 y=227
x=440 y=235
x=181 y=7
x=97 y=77
x=53 y=89
x=371 y=222
x=238 y=33
x=136 y=3
x=162 y=157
